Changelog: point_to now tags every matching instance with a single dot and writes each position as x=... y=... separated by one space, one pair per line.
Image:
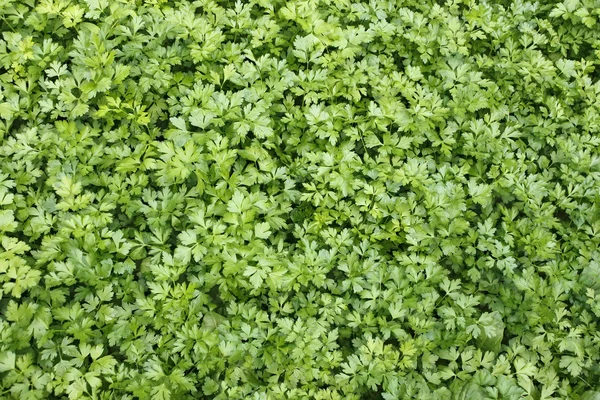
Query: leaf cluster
x=305 y=199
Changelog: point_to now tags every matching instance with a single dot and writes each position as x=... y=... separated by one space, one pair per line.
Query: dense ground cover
x=306 y=199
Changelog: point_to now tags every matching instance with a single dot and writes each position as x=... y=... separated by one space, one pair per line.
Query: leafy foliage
x=306 y=199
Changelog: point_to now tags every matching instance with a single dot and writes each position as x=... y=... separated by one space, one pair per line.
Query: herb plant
x=304 y=199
